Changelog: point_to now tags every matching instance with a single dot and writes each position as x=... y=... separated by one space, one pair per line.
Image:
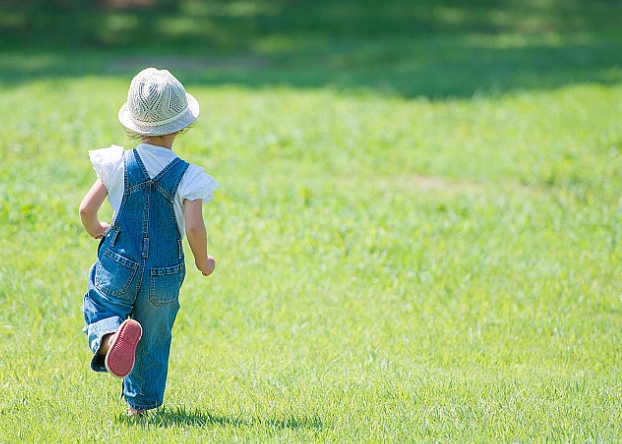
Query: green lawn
x=426 y=253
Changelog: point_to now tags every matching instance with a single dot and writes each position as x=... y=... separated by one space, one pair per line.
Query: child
x=133 y=287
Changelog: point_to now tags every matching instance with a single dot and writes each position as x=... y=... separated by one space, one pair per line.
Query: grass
x=432 y=260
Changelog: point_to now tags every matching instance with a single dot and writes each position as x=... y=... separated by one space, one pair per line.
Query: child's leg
x=144 y=387
x=103 y=314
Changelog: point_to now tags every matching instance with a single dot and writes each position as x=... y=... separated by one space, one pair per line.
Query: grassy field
x=418 y=237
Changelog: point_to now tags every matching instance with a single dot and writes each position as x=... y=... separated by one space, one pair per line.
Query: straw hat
x=157 y=104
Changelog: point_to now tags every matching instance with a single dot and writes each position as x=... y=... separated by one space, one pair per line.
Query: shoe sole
x=122 y=354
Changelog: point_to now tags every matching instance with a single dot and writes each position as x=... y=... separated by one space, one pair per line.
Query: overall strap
x=169 y=178
x=134 y=175
x=134 y=171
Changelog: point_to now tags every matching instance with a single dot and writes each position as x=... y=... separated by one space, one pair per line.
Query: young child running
x=133 y=287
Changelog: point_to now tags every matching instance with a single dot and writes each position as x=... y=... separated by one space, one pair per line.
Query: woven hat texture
x=157 y=104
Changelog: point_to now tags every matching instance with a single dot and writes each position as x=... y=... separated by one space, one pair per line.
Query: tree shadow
x=182 y=417
x=407 y=68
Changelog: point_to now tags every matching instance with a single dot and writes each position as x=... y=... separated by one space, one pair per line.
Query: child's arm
x=197 y=236
x=89 y=208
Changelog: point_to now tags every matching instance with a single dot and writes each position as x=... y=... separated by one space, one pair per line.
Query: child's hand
x=99 y=232
x=206 y=267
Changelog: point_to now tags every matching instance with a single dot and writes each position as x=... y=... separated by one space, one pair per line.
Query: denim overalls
x=138 y=273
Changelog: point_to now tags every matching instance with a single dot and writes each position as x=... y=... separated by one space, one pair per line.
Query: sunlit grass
x=390 y=270
x=417 y=229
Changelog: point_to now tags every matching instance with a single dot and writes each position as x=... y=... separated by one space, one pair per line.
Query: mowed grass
x=389 y=270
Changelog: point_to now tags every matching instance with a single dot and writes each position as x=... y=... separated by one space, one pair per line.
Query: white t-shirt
x=195 y=183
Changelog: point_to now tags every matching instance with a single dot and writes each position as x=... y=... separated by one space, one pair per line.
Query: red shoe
x=122 y=353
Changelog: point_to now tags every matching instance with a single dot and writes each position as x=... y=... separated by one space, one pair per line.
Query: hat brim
x=183 y=120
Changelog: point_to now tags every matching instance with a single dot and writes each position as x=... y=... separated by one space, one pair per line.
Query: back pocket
x=165 y=284
x=114 y=273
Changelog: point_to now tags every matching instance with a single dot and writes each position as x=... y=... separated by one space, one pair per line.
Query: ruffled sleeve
x=197 y=184
x=107 y=162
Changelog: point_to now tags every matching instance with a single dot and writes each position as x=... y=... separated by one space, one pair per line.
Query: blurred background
x=429 y=48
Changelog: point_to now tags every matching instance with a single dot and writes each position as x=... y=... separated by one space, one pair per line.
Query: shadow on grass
x=180 y=417
x=407 y=68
